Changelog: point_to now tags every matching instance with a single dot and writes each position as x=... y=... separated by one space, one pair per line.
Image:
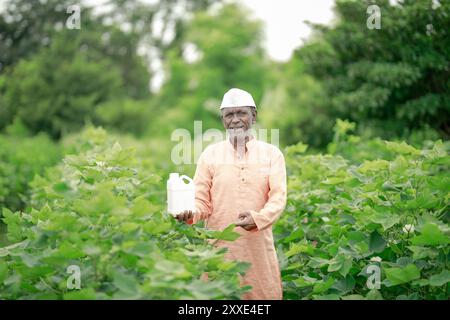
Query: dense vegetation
x=370 y=192
x=346 y=214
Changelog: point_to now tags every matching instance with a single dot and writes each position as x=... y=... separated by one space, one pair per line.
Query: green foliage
x=28 y=27
x=128 y=116
x=21 y=158
x=230 y=54
x=294 y=105
x=37 y=90
x=98 y=210
x=344 y=215
x=365 y=202
x=395 y=78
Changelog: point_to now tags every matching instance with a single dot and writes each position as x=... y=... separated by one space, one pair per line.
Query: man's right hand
x=184 y=216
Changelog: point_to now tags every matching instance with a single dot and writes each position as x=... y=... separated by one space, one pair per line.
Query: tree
x=295 y=106
x=229 y=54
x=29 y=26
x=34 y=39
x=57 y=90
x=395 y=79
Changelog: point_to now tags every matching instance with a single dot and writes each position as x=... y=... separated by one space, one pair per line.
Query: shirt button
x=242 y=168
x=243 y=179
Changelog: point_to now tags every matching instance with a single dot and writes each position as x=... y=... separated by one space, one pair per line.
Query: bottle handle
x=187 y=178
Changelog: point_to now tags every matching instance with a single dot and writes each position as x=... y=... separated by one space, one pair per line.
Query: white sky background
x=284 y=26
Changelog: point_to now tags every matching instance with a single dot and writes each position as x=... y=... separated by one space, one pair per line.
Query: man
x=243 y=180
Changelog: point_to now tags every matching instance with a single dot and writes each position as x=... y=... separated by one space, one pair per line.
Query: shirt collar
x=249 y=144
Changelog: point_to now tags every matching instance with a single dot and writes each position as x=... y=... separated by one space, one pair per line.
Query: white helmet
x=237 y=98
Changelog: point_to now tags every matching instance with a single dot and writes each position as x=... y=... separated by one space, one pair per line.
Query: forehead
x=235 y=109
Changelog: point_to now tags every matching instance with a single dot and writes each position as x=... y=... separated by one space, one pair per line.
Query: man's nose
x=236 y=119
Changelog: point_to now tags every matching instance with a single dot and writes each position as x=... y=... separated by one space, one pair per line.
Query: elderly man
x=243 y=180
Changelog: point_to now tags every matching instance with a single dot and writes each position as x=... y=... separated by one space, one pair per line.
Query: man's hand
x=246 y=221
x=185 y=216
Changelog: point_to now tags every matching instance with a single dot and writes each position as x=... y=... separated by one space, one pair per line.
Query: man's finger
x=250 y=227
x=243 y=222
x=184 y=216
x=243 y=215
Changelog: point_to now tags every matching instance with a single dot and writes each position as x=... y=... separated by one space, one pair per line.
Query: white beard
x=239 y=135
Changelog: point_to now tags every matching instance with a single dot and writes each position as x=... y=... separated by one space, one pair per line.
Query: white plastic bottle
x=180 y=195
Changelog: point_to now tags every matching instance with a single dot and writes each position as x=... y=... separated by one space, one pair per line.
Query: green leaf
x=297 y=248
x=70 y=251
x=316 y=262
x=402 y=148
x=376 y=242
x=374 y=165
x=386 y=220
x=3 y=271
x=154 y=227
x=129 y=227
x=296 y=235
x=326 y=297
x=398 y=276
x=305 y=281
x=340 y=263
x=356 y=236
x=374 y=295
x=227 y=234
x=323 y=286
x=423 y=252
x=125 y=282
x=83 y=294
x=172 y=267
x=345 y=285
x=440 y=279
x=430 y=235
x=421 y=282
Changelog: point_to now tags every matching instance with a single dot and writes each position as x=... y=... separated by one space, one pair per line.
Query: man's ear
x=222 y=119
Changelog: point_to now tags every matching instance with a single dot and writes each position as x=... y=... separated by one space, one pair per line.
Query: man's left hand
x=246 y=221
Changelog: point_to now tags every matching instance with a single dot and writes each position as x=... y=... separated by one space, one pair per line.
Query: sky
x=284 y=22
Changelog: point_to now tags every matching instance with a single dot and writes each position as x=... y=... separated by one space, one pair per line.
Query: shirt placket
x=243 y=175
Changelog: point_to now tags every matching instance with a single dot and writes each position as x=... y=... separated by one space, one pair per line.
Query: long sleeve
x=203 y=182
x=277 y=195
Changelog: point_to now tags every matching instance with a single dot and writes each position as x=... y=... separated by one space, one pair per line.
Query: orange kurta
x=227 y=184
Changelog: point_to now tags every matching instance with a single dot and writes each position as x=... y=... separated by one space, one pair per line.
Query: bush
x=345 y=218
x=56 y=90
x=21 y=158
x=101 y=212
x=130 y=116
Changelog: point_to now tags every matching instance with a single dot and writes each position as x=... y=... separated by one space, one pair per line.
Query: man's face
x=238 y=120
